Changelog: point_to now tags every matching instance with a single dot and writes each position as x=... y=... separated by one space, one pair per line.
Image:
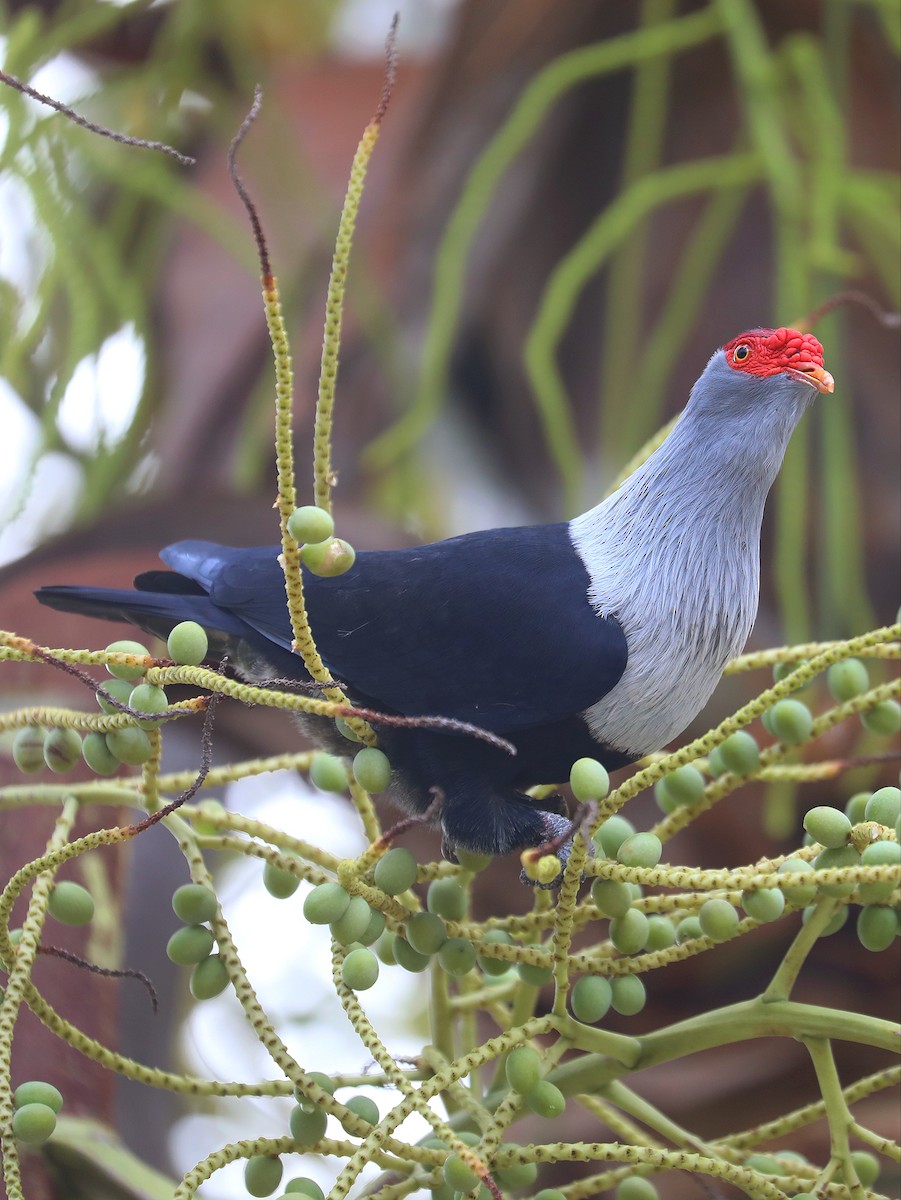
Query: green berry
x=767 y=904
x=28 y=749
x=187 y=644
x=613 y=899
x=516 y=1175
x=457 y=956
x=879 y=854
x=262 y=1175
x=591 y=998
x=661 y=933
x=834 y=925
x=685 y=785
x=458 y=1175
x=855 y=809
x=308 y=1125
x=549 y=1194
x=328 y=773
x=34 y=1123
x=97 y=755
x=715 y=764
x=426 y=932
x=360 y=969
x=876 y=927
x=304 y=1187
x=469 y=860
x=589 y=780
x=719 y=919
x=384 y=948
x=189 y=945
x=523 y=1069
x=374 y=929
x=395 y=871
x=194 y=903
x=495 y=966
x=35 y=1091
x=629 y=933
x=279 y=883
x=636 y=1187
x=328 y=558
x=62 y=750
x=740 y=754
x=345 y=730
x=446 y=898
x=867 y=1167
x=324 y=1081
x=534 y=974
x=612 y=834
x=126 y=647
x=688 y=929
x=371 y=769
x=791 y=722
x=149 y=699
x=326 y=903
x=640 y=850
x=546 y=1100
x=209 y=978
x=828 y=826
x=365 y=1108
x=798 y=893
x=71 y=904
x=884 y=806
x=352 y=923
x=766 y=1164
x=782 y=670
x=130 y=746
x=311 y=524
x=840 y=857
x=847 y=679
x=119 y=689
x=210 y=817
x=407 y=957
x=883 y=718
x=629 y=996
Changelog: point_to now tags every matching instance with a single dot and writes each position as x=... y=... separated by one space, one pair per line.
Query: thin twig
x=184 y=160
x=108 y=972
x=256 y=225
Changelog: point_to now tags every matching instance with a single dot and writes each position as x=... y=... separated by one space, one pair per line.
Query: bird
x=601 y=637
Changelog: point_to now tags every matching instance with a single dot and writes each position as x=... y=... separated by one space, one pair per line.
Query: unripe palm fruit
x=71 y=904
x=395 y=871
x=310 y=523
x=62 y=750
x=122 y=670
x=187 y=644
x=28 y=749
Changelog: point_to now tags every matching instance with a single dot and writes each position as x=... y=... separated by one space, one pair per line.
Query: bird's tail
x=160 y=601
x=156 y=607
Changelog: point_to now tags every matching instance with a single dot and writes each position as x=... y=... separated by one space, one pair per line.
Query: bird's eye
x=740 y=353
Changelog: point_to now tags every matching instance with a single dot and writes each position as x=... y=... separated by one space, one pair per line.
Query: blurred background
x=569 y=208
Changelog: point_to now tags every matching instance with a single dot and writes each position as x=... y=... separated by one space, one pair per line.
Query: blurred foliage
x=102 y=230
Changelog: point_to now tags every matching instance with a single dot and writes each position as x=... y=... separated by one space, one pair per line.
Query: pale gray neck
x=673 y=554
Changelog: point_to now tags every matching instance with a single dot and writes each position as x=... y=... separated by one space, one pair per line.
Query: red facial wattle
x=766 y=352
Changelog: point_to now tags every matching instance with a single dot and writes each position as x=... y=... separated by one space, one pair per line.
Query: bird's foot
x=558 y=842
x=560 y=831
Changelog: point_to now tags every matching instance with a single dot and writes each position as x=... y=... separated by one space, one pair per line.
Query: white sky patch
x=360 y=26
x=289 y=964
x=52 y=497
x=66 y=78
x=99 y=404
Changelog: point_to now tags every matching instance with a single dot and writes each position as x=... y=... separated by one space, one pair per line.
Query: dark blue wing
x=494 y=628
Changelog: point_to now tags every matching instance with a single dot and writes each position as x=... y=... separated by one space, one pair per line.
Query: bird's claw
x=559 y=831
